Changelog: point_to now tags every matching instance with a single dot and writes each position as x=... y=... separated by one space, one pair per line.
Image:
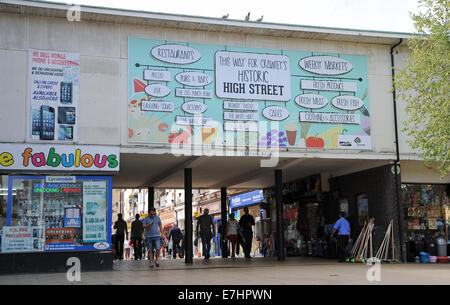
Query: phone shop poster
x=182 y=92
x=94 y=211
x=54 y=84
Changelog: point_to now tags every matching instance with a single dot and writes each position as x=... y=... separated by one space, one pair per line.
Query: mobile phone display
x=66 y=92
x=66 y=115
x=47 y=123
x=36 y=123
x=65 y=132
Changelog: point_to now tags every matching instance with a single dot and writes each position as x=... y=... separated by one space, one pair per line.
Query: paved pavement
x=240 y=271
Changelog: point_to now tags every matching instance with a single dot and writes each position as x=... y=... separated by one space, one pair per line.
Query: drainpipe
x=397 y=161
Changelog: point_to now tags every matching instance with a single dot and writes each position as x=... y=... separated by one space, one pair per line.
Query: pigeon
x=247 y=18
x=260 y=19
x=225 y=16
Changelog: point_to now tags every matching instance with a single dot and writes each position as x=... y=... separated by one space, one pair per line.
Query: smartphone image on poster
x=36 y=124
x=66 y=92
x=66 y=115
x=65 y=132
x=47 y=123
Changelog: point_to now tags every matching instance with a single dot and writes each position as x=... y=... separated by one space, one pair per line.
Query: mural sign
x=179 y=92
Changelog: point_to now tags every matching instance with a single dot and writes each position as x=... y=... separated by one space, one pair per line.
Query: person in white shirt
x=232 y=233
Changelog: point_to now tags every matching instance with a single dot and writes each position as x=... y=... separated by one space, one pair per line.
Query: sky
x=377 y=15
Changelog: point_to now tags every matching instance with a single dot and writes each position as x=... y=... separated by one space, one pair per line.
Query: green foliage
x=424 y=85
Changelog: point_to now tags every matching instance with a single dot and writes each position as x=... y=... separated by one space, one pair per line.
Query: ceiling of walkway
x=167 y=171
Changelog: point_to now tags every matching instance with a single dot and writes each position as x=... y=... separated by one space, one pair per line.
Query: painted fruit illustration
x=139 y=86
x=315 y=142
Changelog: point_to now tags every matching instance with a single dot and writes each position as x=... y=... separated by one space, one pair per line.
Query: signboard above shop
x=246 y=199
x=190 y=93
x=41 y=157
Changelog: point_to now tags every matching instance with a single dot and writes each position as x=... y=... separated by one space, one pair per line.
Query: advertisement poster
x=17 y=239
x=72 y=217
x=54 y=83
x=94 y=211
x=192 y=93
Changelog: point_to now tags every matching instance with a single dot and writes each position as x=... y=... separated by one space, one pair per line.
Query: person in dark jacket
x=121 y=230
x=245 y=223
x=137 y=229
x=176 y=236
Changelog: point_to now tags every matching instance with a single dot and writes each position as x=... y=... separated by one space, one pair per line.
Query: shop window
x=426 y=210
x=343 y=206
x=3 y=199
x=362 y=202
x=47 y=213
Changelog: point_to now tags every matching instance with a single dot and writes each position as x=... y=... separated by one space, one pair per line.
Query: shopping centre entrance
x=299 y=197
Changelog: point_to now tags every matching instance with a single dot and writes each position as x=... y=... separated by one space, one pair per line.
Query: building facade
x=133 y=98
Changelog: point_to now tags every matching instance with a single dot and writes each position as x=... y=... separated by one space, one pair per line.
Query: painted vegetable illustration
x=139 y=86
x=273 y=138
x=315 y=142
x=181 y=136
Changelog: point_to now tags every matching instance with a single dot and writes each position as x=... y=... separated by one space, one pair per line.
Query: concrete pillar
x=188 y=226
x=224 y=213
x=279 y=214
x=150 y=198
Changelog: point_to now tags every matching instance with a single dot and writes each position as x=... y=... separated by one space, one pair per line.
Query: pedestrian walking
x=206 y=224
x=183 y=243
x=175 y=236
x=137 y=230
x=127 y=247
x=232 y=233
x=153 y=226
x=164 y=246
x=245 y=223
x=121 y=232
x=342 y=227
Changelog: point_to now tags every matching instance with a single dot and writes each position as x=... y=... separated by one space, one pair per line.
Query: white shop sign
x=157 y=75
x=175 y=54
x=193 y=93
x=240 y=116
x=311 y=101
x=157 y=106
x=240 y=126
x=275 y=113
x=329 y=117
x=347 y=102
x=252 y=76
x=231 y=105
x=194 y=107
x=325 y=65
x=192 y=120
x=157 y=90
x=327 y=85
x=194 y=79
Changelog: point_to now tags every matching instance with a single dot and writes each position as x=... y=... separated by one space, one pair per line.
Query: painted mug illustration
x=291 y=133
x=209 y=132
